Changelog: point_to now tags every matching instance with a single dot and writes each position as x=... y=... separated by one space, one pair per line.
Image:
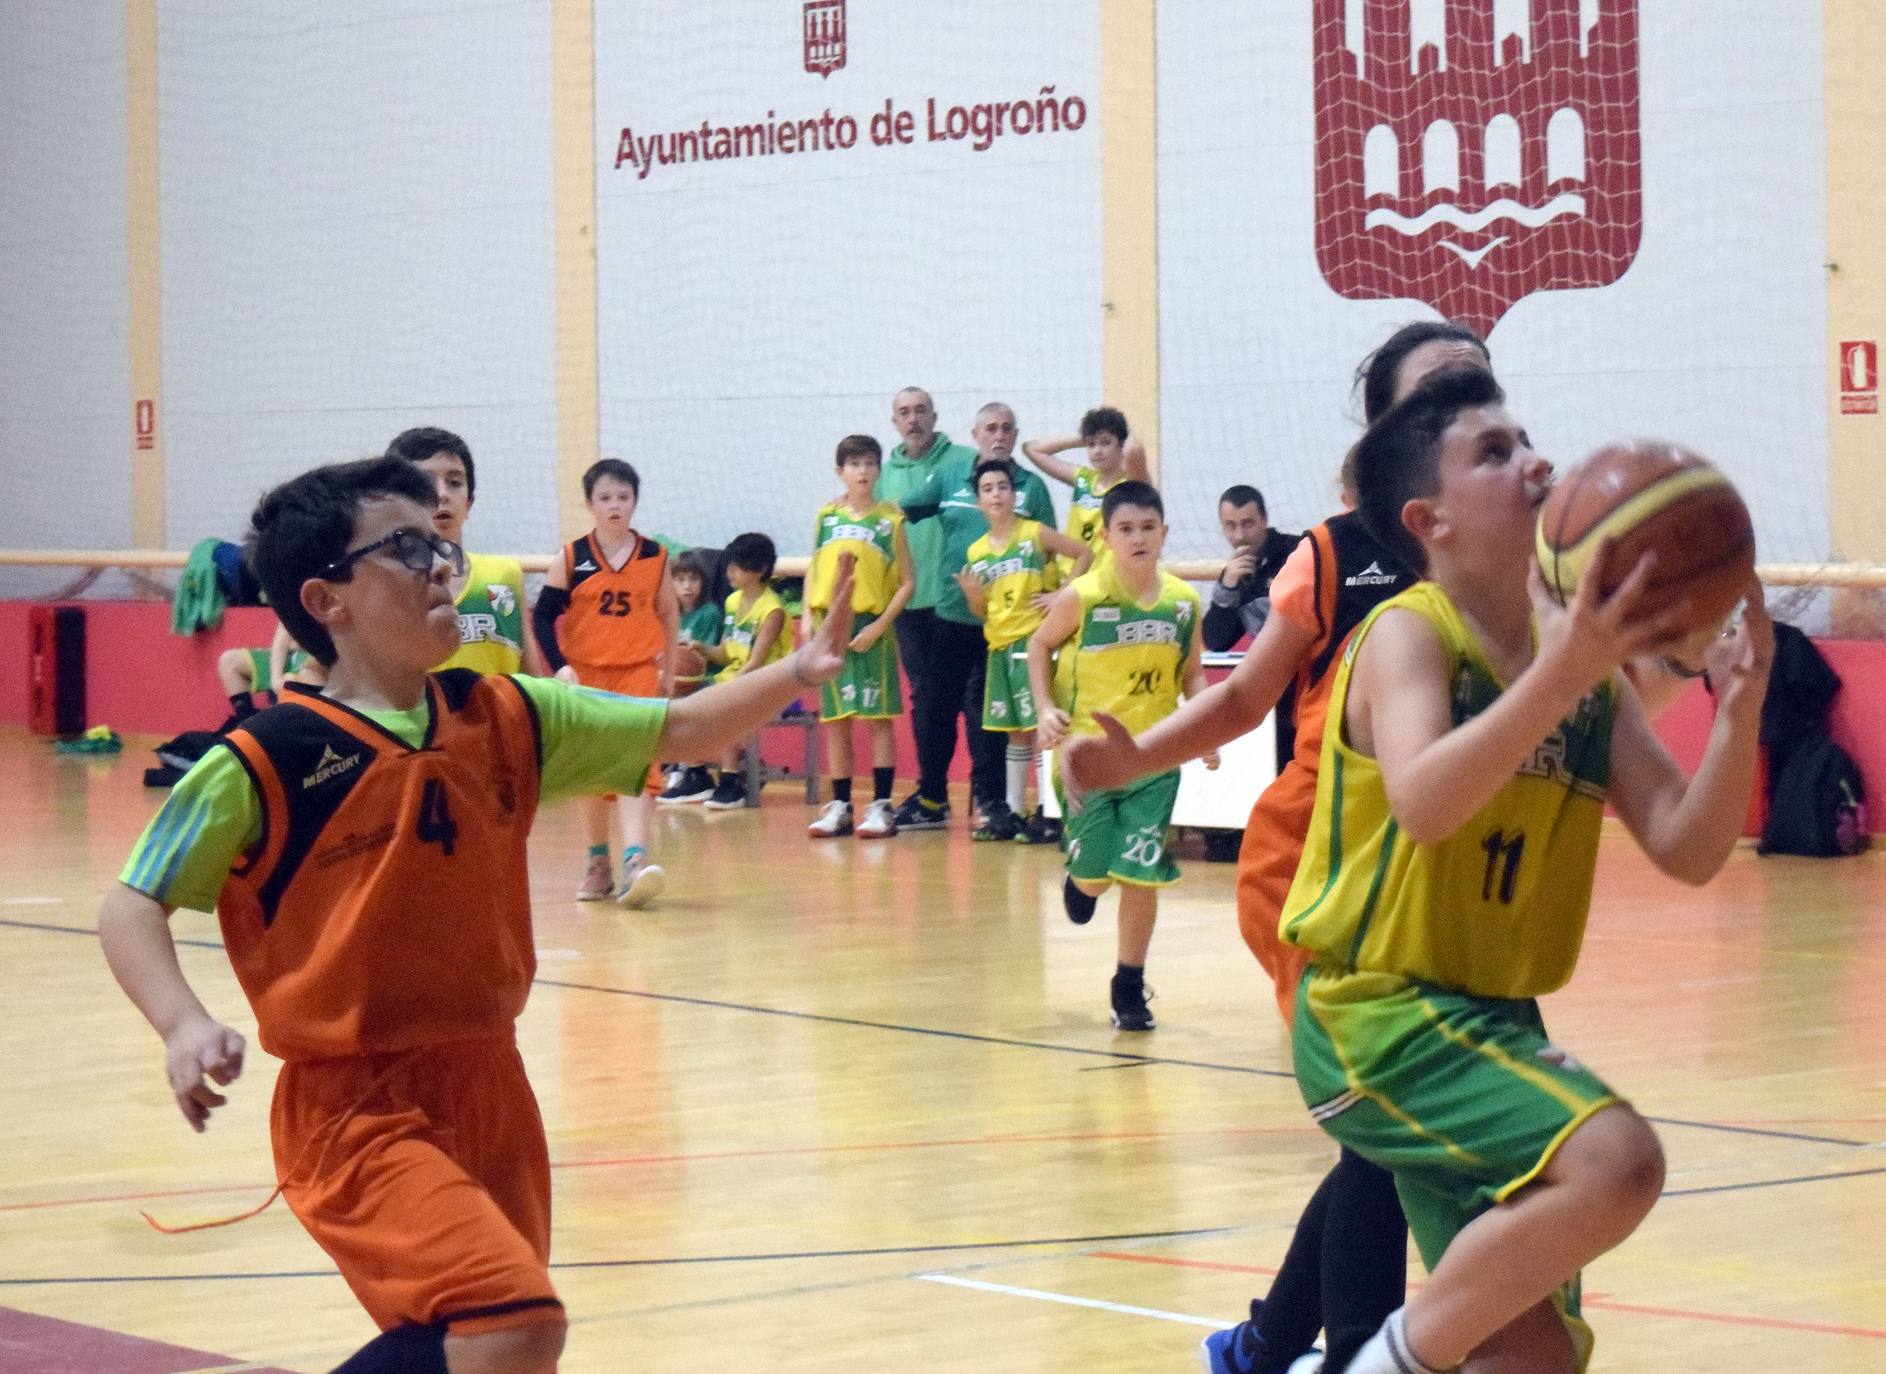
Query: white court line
x=30 y=901
x=1040 y=1295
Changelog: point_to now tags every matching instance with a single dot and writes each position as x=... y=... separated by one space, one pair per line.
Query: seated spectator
x=1240 y=598
x=246 y=672
x=693 y=574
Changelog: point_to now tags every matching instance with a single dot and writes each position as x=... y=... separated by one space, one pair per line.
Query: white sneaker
x=641 y=885
x=879 y=823
x=833 y=821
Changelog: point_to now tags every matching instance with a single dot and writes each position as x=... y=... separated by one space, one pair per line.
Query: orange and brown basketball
x=690 y=666
x=1648 y=496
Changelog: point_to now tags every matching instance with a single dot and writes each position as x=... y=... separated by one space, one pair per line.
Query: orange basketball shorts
x=1267 y=864
x=643 y=680
x=425 y=1177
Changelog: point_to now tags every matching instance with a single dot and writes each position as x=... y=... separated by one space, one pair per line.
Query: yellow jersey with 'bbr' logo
x=1497 y=909
x=1126 y=658
x=1012 y=577
x=490 y=616
x=871 y=538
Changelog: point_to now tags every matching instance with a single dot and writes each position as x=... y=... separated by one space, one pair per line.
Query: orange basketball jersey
x=1351 y=574
x=387 y=905
x=611 y=622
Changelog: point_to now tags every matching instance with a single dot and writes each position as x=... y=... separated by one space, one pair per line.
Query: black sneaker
x=1039 y=829
x=919 y=813
x=1078 y=905
x=689 y=785
x=1129 y=1005
x=730 y=793
x=998 y=823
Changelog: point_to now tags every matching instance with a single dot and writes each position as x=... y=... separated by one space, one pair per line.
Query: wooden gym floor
x=849 y=1106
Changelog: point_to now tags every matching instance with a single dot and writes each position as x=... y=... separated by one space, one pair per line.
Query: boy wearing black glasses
x=364 y=849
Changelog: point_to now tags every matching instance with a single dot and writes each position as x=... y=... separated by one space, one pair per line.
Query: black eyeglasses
x=414 y=549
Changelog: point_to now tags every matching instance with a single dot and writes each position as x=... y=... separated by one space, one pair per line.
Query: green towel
x=198 y=604
x=100 y=739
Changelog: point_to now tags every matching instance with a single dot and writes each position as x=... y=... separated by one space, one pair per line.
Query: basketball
x=689 y=665
x=1651 y=496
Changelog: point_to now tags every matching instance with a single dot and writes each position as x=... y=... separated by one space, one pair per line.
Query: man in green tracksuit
x=944 y=652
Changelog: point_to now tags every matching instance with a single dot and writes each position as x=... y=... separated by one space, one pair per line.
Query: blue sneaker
x=1234 y=1351
x=1230 y=1351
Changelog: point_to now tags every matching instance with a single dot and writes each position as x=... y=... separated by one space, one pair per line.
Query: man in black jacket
x=1240 y=598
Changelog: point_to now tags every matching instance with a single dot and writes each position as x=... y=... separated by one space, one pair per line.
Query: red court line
x=1606 y=1304
x=705 y=1156
x=79 y=1201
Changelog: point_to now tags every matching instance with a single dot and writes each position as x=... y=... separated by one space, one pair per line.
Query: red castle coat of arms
x=1472 y=166
x=824 y=24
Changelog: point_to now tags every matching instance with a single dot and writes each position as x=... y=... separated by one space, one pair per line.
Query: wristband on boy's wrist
x=798 y=668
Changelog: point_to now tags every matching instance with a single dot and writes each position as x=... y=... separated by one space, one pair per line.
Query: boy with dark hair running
x=1127 y=638
x=1476 y=731
x=364 y=849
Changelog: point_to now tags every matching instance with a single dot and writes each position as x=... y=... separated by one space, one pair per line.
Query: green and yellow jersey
x=1012 y=577
x=1084 y=521
x=1498 y=908
x=490 y=616
x=872 y=539
x=739 y=628
x=1126 y=657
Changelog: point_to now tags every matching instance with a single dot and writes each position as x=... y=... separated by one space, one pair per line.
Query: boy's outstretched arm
x=1689 y=827
x=1438 y=775
x=135 y=933
x=1216 y=716
x=700 y=726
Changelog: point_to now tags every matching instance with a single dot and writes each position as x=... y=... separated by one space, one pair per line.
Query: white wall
x=754 y=311
x=356 y=239
x=65 y=389
x=1715 y=336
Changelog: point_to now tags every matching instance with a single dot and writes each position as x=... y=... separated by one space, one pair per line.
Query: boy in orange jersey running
x=364 y=848
x=621 y=621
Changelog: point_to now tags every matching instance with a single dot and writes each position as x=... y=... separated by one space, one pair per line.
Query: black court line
x=1122 y=1058
x=1125 y=1058
x=1771 y=1183
x=81 y=930
x=671 y=1260
x=1765 y=1131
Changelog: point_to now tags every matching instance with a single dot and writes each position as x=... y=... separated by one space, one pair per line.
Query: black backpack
x=174 y=757
x=1817 y=802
